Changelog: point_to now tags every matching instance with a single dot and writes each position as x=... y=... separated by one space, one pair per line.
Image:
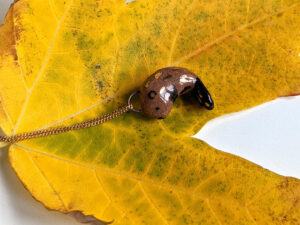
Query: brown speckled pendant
x=161 y=89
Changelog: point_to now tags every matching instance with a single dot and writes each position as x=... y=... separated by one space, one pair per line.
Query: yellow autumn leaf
x=68 y=61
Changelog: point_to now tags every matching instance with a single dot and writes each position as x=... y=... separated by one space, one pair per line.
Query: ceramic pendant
x=161 y=89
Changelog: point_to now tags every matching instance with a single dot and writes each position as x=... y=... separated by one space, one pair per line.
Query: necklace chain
x=62 y=129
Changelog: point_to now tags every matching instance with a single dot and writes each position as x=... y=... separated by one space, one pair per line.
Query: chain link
x=58 y=130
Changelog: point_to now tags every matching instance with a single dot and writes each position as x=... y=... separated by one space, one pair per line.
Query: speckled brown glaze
x=160 y=90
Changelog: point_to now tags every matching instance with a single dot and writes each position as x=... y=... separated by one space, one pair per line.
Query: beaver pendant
x=160 y=90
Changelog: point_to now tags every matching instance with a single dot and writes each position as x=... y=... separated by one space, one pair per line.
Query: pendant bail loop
x=129 y=101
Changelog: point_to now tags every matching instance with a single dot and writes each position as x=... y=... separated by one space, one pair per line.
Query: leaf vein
x=77 y=113
x=105 y=193
x=45 y=178
x=212 y=211
x=178 y=31
x=117 y=173
x=52 y=10
x=42 y=68
x=152 y=203
x=229 y=34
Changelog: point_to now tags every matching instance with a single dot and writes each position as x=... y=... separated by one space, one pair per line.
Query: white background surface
x=267 y=135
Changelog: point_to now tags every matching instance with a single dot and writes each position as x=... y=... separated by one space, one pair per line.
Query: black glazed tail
x=202 y=95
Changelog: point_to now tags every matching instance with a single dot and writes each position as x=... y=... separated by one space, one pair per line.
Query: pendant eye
x=152 y=94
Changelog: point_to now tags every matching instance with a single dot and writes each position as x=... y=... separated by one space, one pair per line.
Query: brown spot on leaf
x=87 y=219
x=100 y=84
x=13 y=52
